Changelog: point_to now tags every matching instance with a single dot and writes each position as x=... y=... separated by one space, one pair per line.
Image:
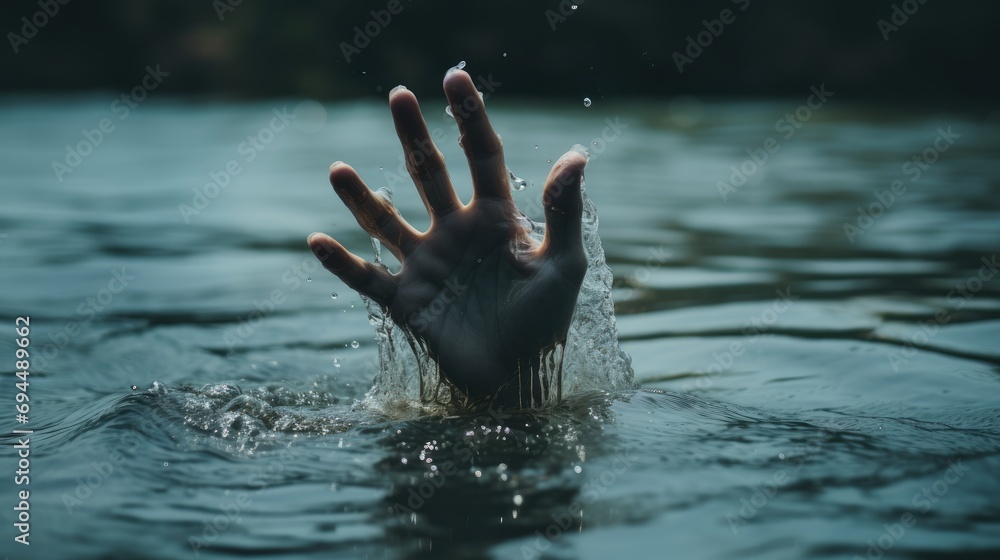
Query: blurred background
x=623 y=48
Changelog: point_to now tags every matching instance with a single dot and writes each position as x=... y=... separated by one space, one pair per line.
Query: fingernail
x=335 y=164
x=581 y=150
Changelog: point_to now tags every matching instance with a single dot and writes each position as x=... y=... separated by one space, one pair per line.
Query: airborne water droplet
x=536 y=146
x=334 y=295
x=448 y=112
x=134 y=387
x=586 y=102
x=355 y=344
x=309 y=279
x=461 y=65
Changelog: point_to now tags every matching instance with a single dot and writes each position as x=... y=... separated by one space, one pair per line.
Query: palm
x=479 y=294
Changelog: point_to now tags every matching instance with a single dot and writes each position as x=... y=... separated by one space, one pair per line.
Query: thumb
x=563 y=204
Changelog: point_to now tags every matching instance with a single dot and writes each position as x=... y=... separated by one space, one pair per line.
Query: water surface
x=806 y=388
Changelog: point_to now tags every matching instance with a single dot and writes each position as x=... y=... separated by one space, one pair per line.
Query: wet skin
x=483 y=298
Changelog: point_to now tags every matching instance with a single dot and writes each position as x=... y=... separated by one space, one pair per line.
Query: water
x=799 y=391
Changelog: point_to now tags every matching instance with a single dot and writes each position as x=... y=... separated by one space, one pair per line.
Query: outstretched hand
x=484 y=298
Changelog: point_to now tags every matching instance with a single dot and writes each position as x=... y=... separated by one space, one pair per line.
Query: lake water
x=808 y=389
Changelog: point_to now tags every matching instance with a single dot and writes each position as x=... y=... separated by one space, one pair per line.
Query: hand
x=484 y=298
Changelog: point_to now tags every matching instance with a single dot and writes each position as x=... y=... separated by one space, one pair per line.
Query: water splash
x=591 y=360
x=517 y=183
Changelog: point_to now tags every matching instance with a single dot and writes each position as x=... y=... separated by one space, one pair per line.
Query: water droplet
x=595 y=142
x=578 y=469
x=505 y=55
x=479 y=260
x=548 y=161
x=333 y=295
x=536 y=146
x=447 y=111
x=517 y=183
x=586 y=102
x=461 y=65
x=134 y=387
x=166 y=463
x=355 y=344
x=380 y=168
x=573 y=7
x=518 y=499
x=309 y=279
x=781 y=456
x=479 y=473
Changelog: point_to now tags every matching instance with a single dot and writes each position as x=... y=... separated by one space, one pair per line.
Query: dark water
x=803 y=395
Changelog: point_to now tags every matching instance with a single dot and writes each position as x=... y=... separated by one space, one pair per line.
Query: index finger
x=483 y=148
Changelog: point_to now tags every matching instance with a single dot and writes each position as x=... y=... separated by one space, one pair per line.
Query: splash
x=591 y=359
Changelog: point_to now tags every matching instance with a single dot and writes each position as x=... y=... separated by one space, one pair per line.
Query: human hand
x=485 y=299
